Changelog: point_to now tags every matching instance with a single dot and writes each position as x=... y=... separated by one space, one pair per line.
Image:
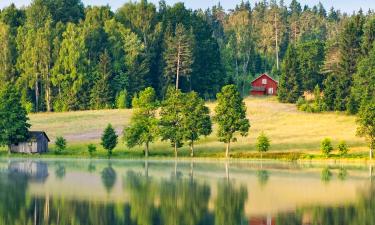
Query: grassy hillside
x=291 y=131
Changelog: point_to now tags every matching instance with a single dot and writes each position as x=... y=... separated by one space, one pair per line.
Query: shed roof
x=38 y=134
x=264 y=74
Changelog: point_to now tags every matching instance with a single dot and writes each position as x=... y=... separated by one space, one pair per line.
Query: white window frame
x=270 y=91
x=264 y=81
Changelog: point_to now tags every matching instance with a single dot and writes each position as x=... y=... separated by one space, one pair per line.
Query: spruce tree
x=109 y=139
x=350 y=50
x=14 y=126
x=290 y=87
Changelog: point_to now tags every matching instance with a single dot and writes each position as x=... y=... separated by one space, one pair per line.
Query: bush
x=326 y=147
x=343 y=148
x=60 y=144
x=91 y=148
x=300 y=102
x=263 y=143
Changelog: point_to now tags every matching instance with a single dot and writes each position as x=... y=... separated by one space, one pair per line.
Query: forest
x=64 y=56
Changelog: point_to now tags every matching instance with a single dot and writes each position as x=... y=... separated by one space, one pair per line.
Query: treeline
x=64 y=56
x=338 y=70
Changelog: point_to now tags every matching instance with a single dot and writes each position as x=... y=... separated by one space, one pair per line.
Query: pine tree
x=14 y=126
x=290 y=88
x=178 y=55
x=230 y=114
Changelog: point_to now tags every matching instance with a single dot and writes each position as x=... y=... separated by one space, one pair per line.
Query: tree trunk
x=36 y=95
x=175 y=150
x=146 y=150
x=192 y=149
x=371 y=153
x=277 y=43
x=227 y=150
x=48 y=94
x=178 y=65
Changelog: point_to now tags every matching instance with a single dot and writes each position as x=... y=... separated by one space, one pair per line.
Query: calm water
x=187 y=193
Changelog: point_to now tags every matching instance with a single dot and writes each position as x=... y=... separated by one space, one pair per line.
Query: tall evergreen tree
x=14 y=126
x=290 y=86
x=178 y=55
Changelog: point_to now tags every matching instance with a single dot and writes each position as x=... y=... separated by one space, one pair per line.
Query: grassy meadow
x=293 y=134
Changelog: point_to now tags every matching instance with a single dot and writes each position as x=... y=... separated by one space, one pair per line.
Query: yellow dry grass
x=289 y=129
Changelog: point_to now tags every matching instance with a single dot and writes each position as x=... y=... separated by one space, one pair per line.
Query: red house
x=264 y=85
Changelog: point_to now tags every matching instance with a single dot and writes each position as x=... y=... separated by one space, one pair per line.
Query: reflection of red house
x=262 y=221
x=264 y=85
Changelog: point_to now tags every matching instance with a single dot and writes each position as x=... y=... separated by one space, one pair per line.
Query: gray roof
x=38 y=134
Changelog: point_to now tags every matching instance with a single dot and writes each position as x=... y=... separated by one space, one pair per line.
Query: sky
x=344 y=5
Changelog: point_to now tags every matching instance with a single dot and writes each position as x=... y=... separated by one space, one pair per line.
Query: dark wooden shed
x=36 y=143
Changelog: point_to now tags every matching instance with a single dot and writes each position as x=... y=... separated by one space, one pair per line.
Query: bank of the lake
x=294 y=135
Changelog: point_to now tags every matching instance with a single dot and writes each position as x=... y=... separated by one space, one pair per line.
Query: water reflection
x=108 y=178
x=184 y=193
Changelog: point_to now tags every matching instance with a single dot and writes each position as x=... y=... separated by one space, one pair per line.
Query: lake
x=184 y=192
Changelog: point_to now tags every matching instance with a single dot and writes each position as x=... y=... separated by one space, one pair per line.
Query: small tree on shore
x=60 y=144
x=91 y=148
x=197 y=121
x=109 y=139
x=366 y=121
x=143 y=127
x=326 y=147
x=14 y=126
x=343 y=148
x=230 y=116
x=263 y=144
x=171 y=119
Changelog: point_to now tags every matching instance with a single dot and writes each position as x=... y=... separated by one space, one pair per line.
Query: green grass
x=293 y=134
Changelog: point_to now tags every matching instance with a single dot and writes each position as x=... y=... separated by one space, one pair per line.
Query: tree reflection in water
x=151 y=200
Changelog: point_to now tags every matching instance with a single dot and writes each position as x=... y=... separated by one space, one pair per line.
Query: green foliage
x=91 y=148
x=263 y=143
x=366 y=123
x=171 y=118
x=178 y=55
x=290 y=87
x=326 y=147
x=196 y=120
x=143 y=128
x=14 y=124
x=109 y=139
x=230 y=114
x=60 y=144
x=313 y=106
x=122 y=100
x=343 y=148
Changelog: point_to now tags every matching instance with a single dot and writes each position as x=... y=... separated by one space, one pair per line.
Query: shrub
x=263 y=143
x=326 y=146
x=91 y=148
x=60 y=144
x=343 y=148
x=300 y=102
